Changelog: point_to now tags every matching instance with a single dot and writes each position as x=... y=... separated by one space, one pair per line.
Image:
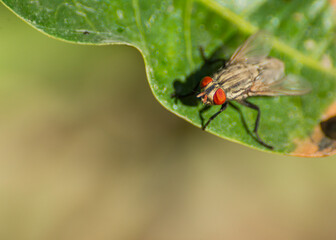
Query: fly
x=248 y=73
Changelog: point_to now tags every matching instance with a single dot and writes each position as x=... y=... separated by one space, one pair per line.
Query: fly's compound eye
x=205 y=81
x=219 y=97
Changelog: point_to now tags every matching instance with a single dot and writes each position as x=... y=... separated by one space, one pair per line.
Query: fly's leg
x=256 y=126
x=215 y=115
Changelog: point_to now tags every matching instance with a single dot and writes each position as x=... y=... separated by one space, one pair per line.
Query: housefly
x=248 y=73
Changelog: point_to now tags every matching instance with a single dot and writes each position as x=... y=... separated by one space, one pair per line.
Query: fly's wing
x=271 y=80
x=253 y=50
x=291 y=85
x=278 y=85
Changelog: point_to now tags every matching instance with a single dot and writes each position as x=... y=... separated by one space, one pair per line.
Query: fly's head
x=212 y=93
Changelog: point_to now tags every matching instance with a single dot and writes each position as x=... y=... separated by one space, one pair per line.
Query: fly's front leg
x=215 y=115
x=256 y=126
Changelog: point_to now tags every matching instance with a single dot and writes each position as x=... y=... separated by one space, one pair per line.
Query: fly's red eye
x=205 y=81
x=219 y=97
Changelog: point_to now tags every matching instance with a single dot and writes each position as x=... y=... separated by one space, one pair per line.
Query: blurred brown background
x=86 y=152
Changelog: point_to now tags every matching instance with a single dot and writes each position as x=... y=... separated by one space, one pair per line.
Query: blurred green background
x=86 y=152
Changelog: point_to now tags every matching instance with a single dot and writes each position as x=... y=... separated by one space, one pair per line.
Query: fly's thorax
x=236 y=79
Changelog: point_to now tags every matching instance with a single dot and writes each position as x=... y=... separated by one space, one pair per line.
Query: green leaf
x=169 y=33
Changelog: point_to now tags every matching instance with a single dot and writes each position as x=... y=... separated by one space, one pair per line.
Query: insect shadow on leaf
x=187 y=90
